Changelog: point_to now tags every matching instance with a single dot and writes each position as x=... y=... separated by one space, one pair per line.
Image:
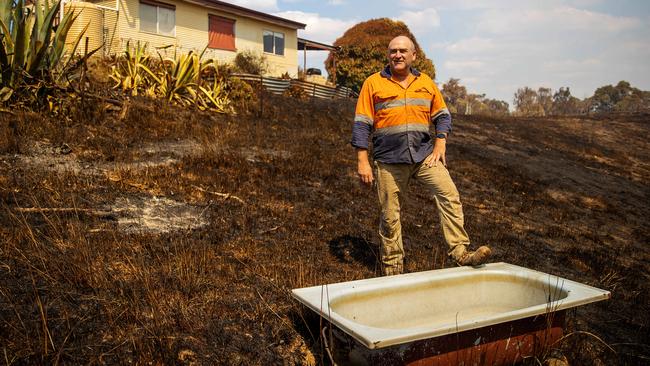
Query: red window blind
x=221 y=33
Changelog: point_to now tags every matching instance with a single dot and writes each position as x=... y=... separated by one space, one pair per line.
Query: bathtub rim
x=373 y=337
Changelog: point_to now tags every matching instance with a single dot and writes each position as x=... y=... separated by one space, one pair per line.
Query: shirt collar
x=387 y=74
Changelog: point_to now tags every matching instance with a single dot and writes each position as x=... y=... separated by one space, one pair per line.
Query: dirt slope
x=174 y=237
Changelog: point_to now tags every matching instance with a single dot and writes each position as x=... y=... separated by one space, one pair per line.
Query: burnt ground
x=167 y=236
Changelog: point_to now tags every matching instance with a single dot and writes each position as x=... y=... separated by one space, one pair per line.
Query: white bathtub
x=385 y=311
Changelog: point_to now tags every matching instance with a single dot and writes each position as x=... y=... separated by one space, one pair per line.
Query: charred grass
x=241 y=209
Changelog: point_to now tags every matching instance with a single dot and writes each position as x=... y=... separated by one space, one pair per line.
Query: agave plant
x=30 y=49
x=180 y=78
x=214 y=96
x=133 y=72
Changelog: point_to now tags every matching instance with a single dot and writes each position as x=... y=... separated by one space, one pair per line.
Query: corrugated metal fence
x=279 y=86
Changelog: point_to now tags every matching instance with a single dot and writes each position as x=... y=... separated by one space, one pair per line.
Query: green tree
x=631 y=99
x=362 y=51
x=564 y=103
x=604 y=99
x=480 y=105
x=526 y=102
x=459 y=101
x=635 y=102
x=497 y=107
x=620 y=98
x=454 y=93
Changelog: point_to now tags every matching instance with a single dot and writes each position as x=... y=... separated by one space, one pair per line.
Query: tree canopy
x=621 y=97
x=460 y=101
x=527 y=102
x=362 y=51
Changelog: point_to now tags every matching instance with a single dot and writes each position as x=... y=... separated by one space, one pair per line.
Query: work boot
x=474 y=258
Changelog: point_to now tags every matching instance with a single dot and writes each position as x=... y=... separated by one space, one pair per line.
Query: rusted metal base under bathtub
x=500 y=344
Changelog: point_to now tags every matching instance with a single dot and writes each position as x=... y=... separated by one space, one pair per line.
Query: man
x=396 y=106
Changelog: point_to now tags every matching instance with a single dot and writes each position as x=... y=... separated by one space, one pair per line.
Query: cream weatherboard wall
x=191 y=33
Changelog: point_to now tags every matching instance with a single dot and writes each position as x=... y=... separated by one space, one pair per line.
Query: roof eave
x=248 y=13
x=313 y=45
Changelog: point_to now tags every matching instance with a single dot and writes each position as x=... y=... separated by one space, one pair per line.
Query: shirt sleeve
x=440 y=116
x=364 y=116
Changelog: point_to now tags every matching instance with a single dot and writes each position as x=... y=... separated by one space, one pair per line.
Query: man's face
x=400 y=54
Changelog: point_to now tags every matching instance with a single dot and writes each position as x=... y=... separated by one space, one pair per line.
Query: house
x=185 y=25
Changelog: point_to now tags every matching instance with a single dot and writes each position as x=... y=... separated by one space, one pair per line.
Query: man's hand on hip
x=363 y=167
x=438 y=154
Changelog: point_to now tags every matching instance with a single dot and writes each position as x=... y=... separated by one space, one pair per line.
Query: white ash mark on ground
x=255 y=154
x=163 y=154
x=43 y=155
x=156 y=215
x=63 y=158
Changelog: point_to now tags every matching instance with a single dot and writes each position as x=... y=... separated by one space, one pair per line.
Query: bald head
x=401 y=54
x=401 y=41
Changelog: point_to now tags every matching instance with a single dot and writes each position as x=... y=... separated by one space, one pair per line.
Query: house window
x=274 y=42
x=221 y=33
x=157 y=17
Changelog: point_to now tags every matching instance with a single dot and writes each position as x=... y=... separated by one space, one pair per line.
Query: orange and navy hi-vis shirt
x=398 y=118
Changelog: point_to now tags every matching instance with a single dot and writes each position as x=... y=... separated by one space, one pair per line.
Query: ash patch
x=156 y=215
x=45 y=156
x=163 y=153
x=256 y=154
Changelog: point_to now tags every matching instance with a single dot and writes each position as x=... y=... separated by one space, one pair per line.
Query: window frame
x=273 y=34
x=157 y=5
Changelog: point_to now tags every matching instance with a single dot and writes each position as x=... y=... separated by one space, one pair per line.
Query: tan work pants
x=392 y=182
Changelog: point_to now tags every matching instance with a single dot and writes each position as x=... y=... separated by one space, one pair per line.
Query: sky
x=495 y=47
